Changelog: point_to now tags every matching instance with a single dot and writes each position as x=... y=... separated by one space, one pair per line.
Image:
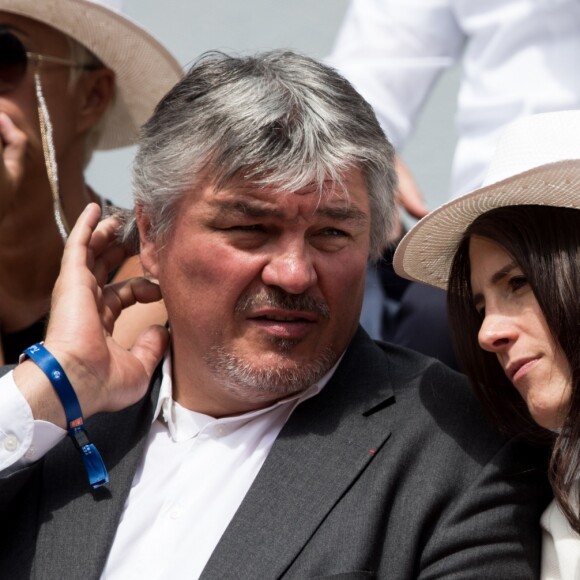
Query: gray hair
x=277 y=118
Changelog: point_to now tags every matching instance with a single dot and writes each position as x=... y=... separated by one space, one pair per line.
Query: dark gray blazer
x=390 y=472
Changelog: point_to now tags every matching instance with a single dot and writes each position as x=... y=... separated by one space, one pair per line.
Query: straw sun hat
x=144 y=69
x=537 y=162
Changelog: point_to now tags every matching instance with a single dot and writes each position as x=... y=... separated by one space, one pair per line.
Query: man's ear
x=96 y=91
x=148 y=248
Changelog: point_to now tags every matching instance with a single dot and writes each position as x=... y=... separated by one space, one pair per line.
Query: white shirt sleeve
x=521 y=59
x=22 y=439
x=392 y=51
x=518 y=57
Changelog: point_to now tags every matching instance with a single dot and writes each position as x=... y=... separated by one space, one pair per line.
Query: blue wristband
x=74 y=417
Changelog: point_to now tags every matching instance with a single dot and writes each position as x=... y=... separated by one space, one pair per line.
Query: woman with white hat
x=509 y=256
x=75 y=76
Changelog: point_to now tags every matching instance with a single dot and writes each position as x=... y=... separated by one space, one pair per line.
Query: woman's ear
x=96 y=89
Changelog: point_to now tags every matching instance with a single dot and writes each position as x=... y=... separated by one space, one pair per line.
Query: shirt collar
x=184 y=424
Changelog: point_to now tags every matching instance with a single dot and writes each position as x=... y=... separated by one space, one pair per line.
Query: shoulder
x=432 y=407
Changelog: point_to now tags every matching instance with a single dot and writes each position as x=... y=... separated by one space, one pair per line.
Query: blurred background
x=190 y=27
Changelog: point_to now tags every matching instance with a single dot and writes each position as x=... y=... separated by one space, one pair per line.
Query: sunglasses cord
x=50 y=159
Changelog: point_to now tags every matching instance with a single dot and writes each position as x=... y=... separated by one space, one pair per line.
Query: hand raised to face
x=12 y=150
x=104 y=375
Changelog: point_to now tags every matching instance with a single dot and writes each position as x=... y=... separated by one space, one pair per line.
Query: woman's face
x=514 y=328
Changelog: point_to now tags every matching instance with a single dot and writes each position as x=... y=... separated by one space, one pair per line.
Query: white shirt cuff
x=22 y=439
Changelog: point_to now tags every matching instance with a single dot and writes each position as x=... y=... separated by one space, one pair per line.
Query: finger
x=12 y=153
x=105 y=234
x=124 y=294
x=106 y=249
x=150 y=346
x=13 y=141
x=408 y=193
x=412 y=203
x=109 y=261
x=81 y=234
x=75 y=256
x=128 y=292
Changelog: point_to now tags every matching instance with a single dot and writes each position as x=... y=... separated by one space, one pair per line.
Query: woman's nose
x=497 y=332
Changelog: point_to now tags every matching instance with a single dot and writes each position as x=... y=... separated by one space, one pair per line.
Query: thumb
x=150 y=346
x=408 y=194
x=12 y=150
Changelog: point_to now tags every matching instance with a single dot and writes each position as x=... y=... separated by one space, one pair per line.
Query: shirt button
x=10 y=443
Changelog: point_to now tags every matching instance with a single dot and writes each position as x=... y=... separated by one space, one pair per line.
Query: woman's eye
x=518 y=282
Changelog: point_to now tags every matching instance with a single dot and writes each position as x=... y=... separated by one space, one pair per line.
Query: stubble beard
x=250 y=381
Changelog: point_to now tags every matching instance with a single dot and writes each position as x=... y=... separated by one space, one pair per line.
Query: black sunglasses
x=14 y=60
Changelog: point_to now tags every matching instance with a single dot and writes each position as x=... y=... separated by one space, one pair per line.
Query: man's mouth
x=276 y=317
x=278 y=305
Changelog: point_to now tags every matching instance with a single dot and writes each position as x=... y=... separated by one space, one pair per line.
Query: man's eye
x=334 y=233
x=246 y=228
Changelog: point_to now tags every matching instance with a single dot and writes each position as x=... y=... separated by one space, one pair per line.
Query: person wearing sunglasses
x=508 y=254
x=75 y=76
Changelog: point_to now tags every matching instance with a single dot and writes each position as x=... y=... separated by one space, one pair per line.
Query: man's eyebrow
x=237 y=208
x=349 y=213
x=497 y=277
x=255 y=210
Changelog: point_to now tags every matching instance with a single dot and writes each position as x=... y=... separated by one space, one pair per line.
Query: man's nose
x=497 y=333
x=291 y=269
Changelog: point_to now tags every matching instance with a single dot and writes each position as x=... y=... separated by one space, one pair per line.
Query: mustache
x=278 y=298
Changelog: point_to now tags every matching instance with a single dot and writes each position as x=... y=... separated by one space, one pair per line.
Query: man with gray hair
x=265 y=435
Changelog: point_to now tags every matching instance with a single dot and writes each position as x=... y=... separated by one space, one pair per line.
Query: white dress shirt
x=560 y=546
x=518 y=57
x=195 y=472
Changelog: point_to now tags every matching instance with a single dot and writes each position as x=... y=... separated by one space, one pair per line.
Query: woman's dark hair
x=545 y=243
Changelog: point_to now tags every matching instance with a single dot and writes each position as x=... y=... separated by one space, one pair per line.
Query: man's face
x=263 y=289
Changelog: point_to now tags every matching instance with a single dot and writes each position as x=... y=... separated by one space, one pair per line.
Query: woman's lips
x=520 y=368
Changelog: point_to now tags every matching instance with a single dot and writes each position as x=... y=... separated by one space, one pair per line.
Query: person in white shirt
x=517 y=58
x=264 y=435
x=508 y=255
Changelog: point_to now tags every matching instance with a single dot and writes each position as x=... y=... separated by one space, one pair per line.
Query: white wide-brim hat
x=144 y=69
x=537 y=162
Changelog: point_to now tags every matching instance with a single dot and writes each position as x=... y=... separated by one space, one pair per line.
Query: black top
x=13 y=343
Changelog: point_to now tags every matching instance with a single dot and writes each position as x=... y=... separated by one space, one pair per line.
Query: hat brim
x=144 y=69
x=426 y=252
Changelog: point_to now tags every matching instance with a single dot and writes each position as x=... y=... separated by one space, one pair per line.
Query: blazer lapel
x=92 y=515
x=322 y=449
